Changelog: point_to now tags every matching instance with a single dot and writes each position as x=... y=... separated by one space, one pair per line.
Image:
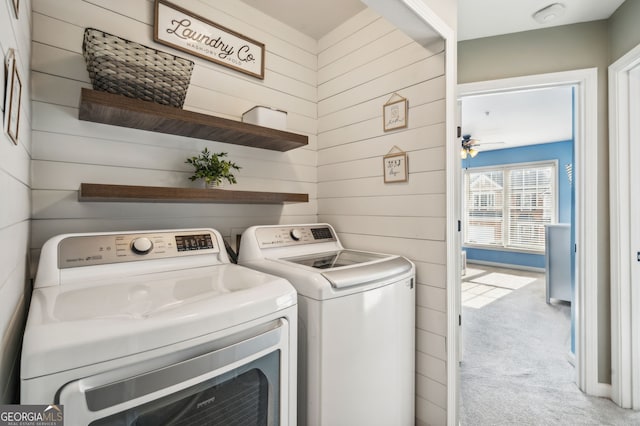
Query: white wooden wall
x=360 y=65
x=334 y=88
x=67 y=151
x=15 y=203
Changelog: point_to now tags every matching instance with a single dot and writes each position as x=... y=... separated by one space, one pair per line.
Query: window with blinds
x=508 y=206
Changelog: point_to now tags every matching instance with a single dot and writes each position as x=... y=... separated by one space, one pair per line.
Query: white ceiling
x=476 y=18
x=486 y=18
x=505 y=120
x=514 y=118
x=311 y=17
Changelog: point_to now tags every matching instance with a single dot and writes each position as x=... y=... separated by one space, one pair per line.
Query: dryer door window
x=240 y=397
x=243 y=383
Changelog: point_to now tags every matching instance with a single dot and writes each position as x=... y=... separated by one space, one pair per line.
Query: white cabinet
x=558 y=261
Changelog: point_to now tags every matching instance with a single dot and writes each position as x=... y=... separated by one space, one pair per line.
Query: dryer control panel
x=89 y=250
x=281 y=236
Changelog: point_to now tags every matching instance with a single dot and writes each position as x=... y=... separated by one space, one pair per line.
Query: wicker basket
x=123 y=67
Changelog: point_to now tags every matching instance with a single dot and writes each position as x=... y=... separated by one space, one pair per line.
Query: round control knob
x=142 y=245
x=296 y=234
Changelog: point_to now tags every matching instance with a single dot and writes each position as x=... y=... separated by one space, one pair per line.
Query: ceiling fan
x=467 y=149
x=467 y=146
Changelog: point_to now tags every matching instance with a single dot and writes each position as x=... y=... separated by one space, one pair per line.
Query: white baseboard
x=505 y=265
x=571 y=357
x=603 y=390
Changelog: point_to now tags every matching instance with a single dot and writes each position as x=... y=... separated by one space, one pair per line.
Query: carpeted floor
x=515 y=369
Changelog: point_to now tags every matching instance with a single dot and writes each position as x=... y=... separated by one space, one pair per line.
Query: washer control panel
x=293 y=235
x=116 y=248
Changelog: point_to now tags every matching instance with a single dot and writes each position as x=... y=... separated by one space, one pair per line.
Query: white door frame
x=453 y=202
x=586 y=178
x=624 y=79
x=396 y=12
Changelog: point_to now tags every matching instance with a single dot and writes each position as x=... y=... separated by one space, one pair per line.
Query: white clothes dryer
x=158 y=327
x=356 y=324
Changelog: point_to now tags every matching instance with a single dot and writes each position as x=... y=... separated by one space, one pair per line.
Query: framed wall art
x=394 y=113
x=181 y=29
x=395 y=166
x=13 y=97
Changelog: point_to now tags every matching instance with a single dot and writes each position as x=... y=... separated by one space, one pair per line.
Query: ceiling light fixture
x=549 y=13
x=466 y=147
x=464 y=152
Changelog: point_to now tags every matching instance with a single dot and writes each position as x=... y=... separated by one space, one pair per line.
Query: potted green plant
x=211 y=168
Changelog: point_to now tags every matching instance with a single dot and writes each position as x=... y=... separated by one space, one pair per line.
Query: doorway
x=585 y=298
x=517 y=182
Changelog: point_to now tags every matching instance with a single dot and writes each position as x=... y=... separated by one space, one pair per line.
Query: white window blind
x=508 y=206
x=531 y=205
x=484 y=200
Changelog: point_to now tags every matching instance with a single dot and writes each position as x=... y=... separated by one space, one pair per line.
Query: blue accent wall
x=561 y=151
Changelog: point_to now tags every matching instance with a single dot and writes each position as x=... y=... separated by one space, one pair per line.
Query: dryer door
x=238 y=384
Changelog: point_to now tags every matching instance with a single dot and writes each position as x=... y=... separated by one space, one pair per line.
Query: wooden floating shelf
x=157 y=194
x=118 y=110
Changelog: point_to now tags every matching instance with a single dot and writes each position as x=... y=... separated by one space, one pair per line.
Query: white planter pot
x=213 y=185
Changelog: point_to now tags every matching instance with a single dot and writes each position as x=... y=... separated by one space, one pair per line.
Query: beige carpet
x=498 y=279
x=515 y=369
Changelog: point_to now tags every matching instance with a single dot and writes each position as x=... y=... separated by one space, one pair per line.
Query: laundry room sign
x=186 y=31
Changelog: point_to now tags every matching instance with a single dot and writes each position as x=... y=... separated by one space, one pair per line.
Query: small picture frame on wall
x=16 y=7
x=13 y=97
x=394 y=113
x=395 y=167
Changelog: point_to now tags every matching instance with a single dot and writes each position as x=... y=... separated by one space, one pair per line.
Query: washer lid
x=335 y=259
x=348 y=268
x=78 y=325
x=375 y=272
x=342 y=269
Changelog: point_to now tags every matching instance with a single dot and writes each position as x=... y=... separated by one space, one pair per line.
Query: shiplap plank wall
x=334 y=88
x=67 y=151
x=15 y=205
x=360 y=65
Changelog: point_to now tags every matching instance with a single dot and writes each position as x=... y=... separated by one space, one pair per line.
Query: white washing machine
x=158 y=327
x=356 y=324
